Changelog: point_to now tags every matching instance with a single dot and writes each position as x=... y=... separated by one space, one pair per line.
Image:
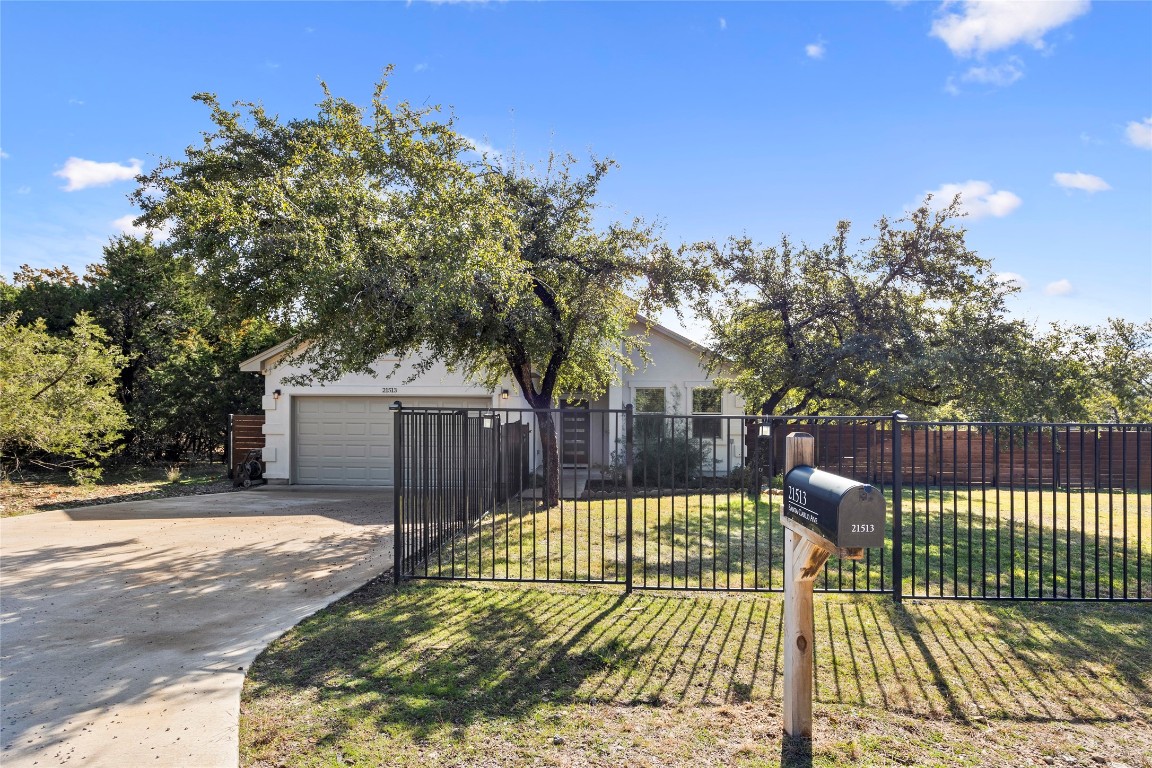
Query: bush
x=667 y=455
x=85 y=476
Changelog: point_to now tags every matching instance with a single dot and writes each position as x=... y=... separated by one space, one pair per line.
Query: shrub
x=668 y=455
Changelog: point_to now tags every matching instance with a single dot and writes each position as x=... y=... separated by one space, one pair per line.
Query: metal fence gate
x=690 y=502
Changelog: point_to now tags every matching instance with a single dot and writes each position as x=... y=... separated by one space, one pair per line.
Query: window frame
x=635 y=396
x=707 y=429
x=649 y=424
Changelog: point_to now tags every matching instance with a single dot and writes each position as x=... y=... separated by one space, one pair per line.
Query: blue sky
x=726 y=119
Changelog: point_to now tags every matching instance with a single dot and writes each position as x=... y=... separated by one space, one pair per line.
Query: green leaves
x=57 y=395
x=373 y=230
x=902 y=320
x=354 y=227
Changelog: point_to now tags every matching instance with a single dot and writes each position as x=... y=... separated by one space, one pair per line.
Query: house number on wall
x=389 y=390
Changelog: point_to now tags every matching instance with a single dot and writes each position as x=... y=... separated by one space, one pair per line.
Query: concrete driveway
x=126 y=629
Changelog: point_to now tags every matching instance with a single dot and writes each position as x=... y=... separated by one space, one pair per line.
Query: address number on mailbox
x=847 y=513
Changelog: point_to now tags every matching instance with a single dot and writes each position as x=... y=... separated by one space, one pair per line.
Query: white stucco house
x=341 y=432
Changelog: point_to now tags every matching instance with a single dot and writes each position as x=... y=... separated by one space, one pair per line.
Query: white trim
x=692 y=387
x=256 y=363
x=663 y=388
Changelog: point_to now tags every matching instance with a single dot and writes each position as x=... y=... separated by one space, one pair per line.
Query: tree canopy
x=376 y=231
x=904 y=318
x=57 y=394
x=177 y=380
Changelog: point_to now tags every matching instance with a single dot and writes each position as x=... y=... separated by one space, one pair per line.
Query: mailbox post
x=822 y=513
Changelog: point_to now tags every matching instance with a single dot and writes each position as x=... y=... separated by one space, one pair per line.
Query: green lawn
x=494 y=675
x=954 y=543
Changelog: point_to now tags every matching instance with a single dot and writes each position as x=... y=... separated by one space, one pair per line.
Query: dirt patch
x=41 y=492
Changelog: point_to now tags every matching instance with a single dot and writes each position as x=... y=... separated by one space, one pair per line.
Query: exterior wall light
x=504 y=394
x=276 y=394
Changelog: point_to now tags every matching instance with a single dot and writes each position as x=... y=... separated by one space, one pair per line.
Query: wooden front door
x=575 y=424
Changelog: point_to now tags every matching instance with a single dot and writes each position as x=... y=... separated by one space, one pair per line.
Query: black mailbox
x=847 y=513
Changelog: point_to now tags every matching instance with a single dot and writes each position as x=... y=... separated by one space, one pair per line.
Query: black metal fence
x=661 y=501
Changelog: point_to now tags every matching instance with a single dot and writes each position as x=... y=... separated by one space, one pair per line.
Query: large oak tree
x=378 y=230
x=906 y=318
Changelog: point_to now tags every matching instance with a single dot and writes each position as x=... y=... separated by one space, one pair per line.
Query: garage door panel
x=308 y=405
x=349 y=440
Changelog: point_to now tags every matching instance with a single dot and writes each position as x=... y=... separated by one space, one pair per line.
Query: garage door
x=348 y=440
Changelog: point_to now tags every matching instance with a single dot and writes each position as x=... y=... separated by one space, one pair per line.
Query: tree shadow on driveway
x=101 y=610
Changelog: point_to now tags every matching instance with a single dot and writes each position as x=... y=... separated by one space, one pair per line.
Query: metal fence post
x=628 y=462
x=898 y=419
x=398 y=490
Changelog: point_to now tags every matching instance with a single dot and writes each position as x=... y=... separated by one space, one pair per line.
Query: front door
x=574 y=432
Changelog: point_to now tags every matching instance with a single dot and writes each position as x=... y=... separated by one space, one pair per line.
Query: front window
x=706 y=400
x=649 y=400
x=649 y=405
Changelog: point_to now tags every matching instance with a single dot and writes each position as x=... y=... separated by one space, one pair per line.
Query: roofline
x=255 y=364
x=664 y=330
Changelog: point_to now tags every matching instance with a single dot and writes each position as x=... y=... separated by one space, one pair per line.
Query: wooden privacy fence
x=245 y=433
x=1105 y=456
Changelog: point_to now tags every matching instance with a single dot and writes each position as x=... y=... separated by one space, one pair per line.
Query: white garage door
x=348 y=440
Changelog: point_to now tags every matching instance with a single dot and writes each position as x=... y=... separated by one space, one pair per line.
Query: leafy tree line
x=910 y=319
x=375 y=229
x=368 y=230
x=129 y=361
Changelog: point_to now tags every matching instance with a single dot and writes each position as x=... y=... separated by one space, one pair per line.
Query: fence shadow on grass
x=428 y=658
x=970 y=661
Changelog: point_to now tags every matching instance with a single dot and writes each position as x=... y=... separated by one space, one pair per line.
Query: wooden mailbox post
x=822 y=513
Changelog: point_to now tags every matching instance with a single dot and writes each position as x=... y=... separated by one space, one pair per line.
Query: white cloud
x=983 y=26
x=999 y=75
x=723 y=23
x=420 y=67
x=125 y=226
x=1084 y=181
x=1140 y=133
x=1012 y=278
x=76 y=102
x=4 y=155
x=1088 y=138
x=482 y=147
x=24 y=190
x=1058 y=288
x=977 y=199
x=82 y=174
x=815 y=50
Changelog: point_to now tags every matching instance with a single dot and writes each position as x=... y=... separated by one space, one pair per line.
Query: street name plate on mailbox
x=847 y=513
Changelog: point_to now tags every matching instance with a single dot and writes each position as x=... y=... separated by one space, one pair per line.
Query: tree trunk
x=549 y=445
